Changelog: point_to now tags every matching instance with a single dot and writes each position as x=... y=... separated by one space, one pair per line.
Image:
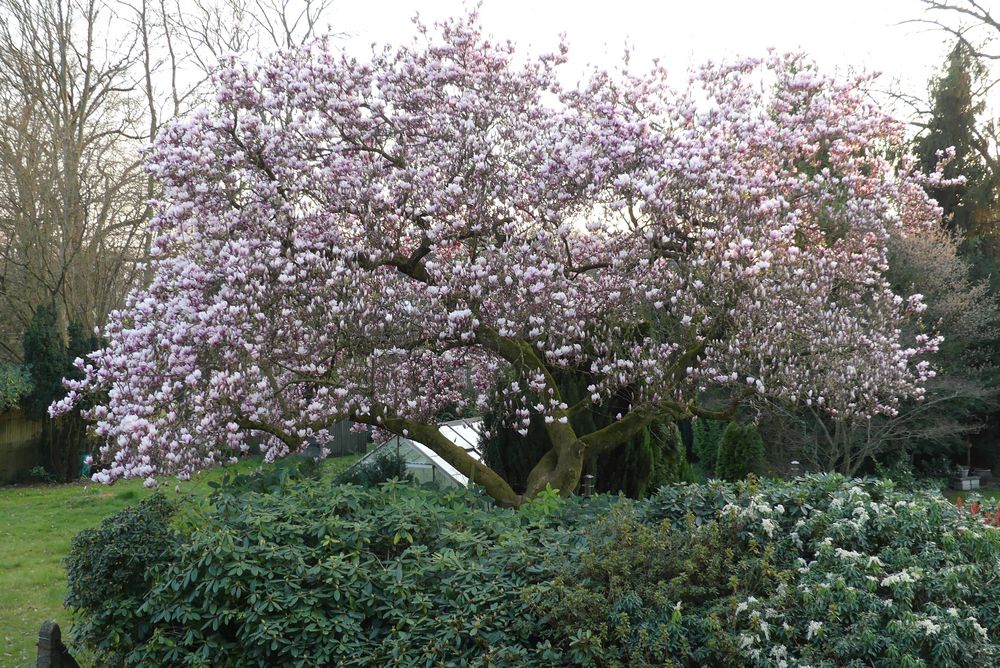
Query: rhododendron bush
x=817 y=571
x=373 y=241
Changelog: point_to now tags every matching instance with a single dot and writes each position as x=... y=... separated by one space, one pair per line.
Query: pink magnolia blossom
x=341 y=239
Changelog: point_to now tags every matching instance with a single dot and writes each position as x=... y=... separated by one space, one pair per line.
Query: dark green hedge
x=111 y=570
x=822 y=571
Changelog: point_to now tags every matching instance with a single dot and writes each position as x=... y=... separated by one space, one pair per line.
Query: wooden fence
x=343 y=441
x=19 y=449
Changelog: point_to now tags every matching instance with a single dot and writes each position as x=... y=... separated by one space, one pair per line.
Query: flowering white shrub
x=819 y=571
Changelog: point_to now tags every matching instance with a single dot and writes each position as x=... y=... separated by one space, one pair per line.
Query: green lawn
x=37 y=525
x=986 y=496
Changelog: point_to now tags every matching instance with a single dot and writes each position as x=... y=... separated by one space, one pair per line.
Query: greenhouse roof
x=464 y=433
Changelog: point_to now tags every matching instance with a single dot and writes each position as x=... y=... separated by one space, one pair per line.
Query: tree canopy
x=372 y=241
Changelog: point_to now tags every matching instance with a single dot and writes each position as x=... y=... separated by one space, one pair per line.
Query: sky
x=839 y=34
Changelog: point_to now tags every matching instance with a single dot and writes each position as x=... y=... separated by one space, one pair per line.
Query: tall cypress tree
x=741 y=452
x=45 y=356
x=953 y=122
x=49 y=359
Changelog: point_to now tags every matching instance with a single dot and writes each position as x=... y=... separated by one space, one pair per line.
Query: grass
x=988 y=496
x=37 y=525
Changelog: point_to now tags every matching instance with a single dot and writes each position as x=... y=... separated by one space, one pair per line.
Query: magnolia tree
x=347 y=240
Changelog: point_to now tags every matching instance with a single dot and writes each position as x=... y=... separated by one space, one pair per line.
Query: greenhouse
x=424 y=464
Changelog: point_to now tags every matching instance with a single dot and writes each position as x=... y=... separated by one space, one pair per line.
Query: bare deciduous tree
x=70 y=211
x=971 y=21
x=84 y=86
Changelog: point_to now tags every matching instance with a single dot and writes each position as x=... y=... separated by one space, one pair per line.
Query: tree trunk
x=561 y=467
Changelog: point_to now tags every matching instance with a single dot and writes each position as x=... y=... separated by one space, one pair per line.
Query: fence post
x=52 y=653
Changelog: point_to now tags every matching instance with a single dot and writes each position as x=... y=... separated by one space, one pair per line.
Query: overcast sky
x=837 y=33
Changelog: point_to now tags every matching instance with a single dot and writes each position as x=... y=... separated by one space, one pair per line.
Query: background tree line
x=85 y=86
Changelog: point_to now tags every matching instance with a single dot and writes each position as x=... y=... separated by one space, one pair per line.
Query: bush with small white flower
x=819 y=571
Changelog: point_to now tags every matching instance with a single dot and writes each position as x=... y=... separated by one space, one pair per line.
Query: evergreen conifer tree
x=49 y=358
x=706 y=442
x=741 y=452
x=953 y=123
x=45 y=356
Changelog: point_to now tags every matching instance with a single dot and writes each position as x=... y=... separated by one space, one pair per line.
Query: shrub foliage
x=110 y=570
x=15 y=382
x=381 y=468
x=821 y=571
